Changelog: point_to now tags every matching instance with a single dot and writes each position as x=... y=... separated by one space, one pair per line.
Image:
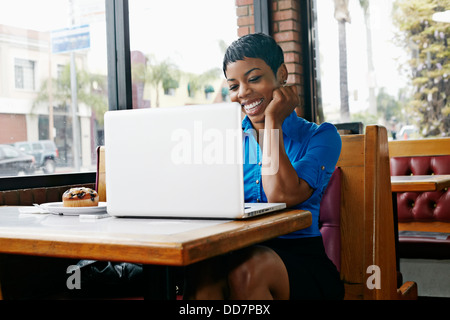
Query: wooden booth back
x=368 y=254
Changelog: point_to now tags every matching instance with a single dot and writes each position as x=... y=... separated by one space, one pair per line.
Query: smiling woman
x=306 y=155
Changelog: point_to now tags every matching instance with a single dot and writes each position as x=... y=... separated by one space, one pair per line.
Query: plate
x=58 y=208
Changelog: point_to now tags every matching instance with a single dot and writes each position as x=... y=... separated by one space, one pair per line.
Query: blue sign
x=71 y=39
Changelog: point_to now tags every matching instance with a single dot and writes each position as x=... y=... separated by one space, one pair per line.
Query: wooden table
x=161 y=242
x=419 y=183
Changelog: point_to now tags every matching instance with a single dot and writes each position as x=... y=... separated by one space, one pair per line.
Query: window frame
x=311 y=94
x=22 y=69
x=119 y=95
x=262 y=13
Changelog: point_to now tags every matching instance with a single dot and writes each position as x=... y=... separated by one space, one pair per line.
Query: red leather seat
x=329 y=218
x=423 y=207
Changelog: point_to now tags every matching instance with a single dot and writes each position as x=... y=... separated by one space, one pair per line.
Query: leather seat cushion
x=329 y=218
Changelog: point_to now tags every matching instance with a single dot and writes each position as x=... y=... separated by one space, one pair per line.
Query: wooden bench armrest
x=408 y=291
x=100 y=183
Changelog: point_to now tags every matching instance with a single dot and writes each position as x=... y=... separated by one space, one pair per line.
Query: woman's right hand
x=285 y=99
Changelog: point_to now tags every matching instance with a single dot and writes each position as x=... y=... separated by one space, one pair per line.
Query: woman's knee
x=253 y=272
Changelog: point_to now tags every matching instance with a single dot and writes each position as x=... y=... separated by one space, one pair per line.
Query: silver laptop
x=182 y=162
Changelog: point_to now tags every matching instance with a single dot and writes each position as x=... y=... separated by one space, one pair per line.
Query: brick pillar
x=286 y=32
x=245 y=19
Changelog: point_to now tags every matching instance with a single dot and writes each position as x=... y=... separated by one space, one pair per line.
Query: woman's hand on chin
x=285 y=100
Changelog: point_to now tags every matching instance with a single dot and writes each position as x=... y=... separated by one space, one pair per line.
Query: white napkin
x=33 y=209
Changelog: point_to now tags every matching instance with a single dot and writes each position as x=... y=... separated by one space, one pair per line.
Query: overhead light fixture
x=441 y=16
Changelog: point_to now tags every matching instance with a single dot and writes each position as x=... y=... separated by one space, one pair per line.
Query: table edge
x=163 y=253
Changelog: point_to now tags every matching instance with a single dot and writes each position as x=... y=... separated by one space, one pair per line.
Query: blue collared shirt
x=313 y=151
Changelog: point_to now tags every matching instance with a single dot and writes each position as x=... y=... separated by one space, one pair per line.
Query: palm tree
x=91 y=90
x=161 y=73
x=365 y=5
x=203 y=80
x=342 y=15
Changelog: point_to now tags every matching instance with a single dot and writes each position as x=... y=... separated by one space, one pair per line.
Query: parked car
x=407 y=132
x=44 y=151
x=14 y=161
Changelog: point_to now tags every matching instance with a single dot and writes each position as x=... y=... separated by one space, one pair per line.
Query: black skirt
x=312 y=275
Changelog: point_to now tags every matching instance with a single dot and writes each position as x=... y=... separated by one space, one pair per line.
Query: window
x=47 y=112
x=24 y=74
x=176 y=50
x=385 y=62
x=37 y=147
x=54 y=55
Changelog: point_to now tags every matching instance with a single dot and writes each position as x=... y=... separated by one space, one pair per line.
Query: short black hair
x=255 y=45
